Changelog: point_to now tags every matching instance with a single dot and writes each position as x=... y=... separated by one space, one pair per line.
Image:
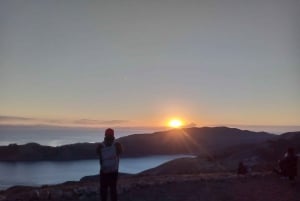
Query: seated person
x=242 y=169
x=288 y=165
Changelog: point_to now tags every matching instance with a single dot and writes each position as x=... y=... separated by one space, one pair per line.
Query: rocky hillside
x=197 y=141
x=268 y=151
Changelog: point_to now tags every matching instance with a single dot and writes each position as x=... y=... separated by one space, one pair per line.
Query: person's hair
x=109 y=132
x=109 y=135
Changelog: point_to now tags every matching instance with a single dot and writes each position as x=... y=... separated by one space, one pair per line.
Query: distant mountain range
x=199 y=141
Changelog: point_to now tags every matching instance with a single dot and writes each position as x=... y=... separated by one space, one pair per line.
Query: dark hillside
x=191 y=141
x=200 y=141
x=36 y=152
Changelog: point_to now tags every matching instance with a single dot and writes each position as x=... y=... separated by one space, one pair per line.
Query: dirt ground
x=190 y=187
x=253 y=188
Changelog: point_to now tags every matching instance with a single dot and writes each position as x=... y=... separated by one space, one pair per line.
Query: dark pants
x=108 y=181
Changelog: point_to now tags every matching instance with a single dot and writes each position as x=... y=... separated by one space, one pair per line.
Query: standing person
x=109 y=152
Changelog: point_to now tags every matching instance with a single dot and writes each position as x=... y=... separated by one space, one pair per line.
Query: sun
x=175 y=123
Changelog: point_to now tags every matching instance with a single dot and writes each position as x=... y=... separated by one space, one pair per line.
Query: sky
x=141 y=62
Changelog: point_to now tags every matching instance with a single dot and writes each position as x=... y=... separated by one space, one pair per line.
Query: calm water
x=39 y=173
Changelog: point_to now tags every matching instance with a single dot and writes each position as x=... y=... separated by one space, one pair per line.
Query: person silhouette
x=288 y=165
x=109 y=153
x=242 y=169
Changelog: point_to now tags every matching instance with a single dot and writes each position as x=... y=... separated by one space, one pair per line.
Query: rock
x=56 y=194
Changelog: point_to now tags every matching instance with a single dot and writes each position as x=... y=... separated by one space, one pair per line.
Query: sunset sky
x=142 y=62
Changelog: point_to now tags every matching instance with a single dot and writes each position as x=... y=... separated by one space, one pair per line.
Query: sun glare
x=175 y=123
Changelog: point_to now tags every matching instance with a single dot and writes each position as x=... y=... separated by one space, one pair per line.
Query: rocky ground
x=191 y=187
x=217 y=188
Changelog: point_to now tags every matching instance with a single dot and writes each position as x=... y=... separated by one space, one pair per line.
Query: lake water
x=49 y=172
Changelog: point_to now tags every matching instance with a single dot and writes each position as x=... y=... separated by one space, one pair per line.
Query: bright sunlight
x=175 y=123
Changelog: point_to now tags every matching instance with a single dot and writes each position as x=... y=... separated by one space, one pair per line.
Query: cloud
x=15 y=118
x=54 y=121
x=58 y=122
x=99 y=122
x=115 y=121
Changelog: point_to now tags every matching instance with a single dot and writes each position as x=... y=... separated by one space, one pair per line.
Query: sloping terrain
x=198 y=141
